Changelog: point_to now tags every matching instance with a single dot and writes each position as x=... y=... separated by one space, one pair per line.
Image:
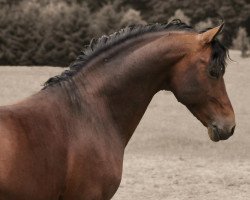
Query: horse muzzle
x=216 y=134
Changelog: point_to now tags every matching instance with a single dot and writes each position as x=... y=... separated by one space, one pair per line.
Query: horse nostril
x=232 y=130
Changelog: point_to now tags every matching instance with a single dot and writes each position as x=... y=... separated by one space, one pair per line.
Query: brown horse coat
x=67 y=141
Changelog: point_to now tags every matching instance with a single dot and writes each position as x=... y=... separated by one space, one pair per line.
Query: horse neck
x=125 y=79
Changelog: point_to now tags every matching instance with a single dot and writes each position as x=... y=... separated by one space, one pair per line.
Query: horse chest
x=93 y=174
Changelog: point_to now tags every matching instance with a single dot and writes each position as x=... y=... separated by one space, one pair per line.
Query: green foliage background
x=53 y=32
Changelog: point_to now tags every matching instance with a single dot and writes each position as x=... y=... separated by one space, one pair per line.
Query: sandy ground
x=170 y=155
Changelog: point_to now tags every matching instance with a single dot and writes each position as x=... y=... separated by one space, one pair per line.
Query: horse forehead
x=205 y=54
x=201 y=53
x=196 y=61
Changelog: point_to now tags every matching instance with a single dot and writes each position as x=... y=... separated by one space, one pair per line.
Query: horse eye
x=214 y=74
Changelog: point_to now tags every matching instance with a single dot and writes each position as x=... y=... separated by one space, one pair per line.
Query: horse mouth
x=213 y=133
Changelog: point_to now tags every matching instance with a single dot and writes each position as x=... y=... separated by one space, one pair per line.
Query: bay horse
x=67 y=141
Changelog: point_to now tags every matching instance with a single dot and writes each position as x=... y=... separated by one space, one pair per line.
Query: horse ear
x=209 y=35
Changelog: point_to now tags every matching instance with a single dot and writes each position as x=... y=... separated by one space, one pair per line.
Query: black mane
x=97 y=46
x=218 y=59
x=100 y=45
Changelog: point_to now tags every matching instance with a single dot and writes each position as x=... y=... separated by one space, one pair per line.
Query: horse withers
x=67 y=141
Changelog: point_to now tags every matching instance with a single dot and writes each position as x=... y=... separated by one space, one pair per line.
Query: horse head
x=197 y=82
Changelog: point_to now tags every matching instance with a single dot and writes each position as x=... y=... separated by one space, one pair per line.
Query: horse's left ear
x=209 y=35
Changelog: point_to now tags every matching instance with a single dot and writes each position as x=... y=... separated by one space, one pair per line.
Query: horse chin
x=213 y=134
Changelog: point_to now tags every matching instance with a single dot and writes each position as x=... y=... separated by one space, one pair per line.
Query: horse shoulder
x=8 y=144
x=30 y=166
x=94 y=167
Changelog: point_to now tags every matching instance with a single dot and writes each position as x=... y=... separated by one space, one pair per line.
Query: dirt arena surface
x=170 y=156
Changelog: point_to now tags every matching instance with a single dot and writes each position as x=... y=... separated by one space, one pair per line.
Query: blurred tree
x=233 y=12
x=20 y=35
x=130 y=17
x=65 y=30
x=52 y=32
x=179 y=14
x=141 y=5
x=105 y=21
x=241 y=42
x=54 y=38
x=203 y=25
x=10 y=2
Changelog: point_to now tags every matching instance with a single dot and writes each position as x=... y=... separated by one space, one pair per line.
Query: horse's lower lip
x=213 y=134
